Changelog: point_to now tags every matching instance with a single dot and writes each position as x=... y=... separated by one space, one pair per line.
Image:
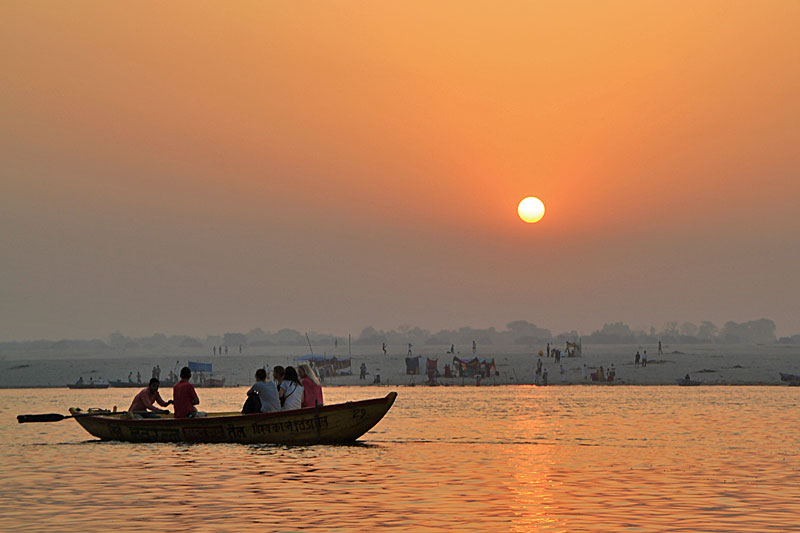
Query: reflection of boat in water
x=329 y=424
x=687 y=382
x=88 y=385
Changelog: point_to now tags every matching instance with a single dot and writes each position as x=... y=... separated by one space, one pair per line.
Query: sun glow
x=531 y=209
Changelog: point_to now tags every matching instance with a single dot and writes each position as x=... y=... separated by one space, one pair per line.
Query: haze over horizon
x=188 y=168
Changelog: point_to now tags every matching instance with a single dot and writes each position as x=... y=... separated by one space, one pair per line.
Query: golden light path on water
x=574 y=458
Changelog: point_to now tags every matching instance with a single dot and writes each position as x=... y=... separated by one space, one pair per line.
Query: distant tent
x=473 y=367
x=199 y=367
x=433 y=368
x=574 y=349
x=412 y=365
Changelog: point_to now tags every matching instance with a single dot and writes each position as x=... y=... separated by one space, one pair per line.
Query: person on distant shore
x=474 y=347
x=636 y=359
x=544 y=377
x=158 y=372
x=409 y=350
x=262 y=396
x=138 y=377
x=215 y=349
x=384 y=348
x=293 y=397
x=80 y=381
x=184 y=396
x=147 y=397
x=363 y=374
x=548 y=349
x=644 y=359
x=130 y=377
x=312 y=388
x=659 y=349
x=226 y=349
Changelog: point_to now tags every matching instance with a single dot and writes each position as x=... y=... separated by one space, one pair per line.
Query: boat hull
x=330 y=424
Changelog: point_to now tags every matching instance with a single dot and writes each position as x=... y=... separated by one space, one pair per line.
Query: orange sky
x=206 y=167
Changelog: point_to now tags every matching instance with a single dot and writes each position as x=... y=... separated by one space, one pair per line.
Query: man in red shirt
x=184 y=396
x=143 y=401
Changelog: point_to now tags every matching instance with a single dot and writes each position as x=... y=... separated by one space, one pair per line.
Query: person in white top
x=293 y=392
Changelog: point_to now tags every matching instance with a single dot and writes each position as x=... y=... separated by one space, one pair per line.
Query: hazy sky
x=210 y=166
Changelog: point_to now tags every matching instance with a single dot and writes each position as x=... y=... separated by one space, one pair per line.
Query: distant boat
x=793 y=379
x=688 y=382
x=88 y=385
x=119 y=384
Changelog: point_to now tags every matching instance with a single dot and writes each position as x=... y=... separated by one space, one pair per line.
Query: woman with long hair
x=312 y=389
x=293 y=395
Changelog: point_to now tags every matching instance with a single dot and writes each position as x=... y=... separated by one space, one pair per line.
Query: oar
x=54 y=417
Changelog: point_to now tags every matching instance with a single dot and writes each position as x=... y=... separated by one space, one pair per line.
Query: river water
x=510 y=458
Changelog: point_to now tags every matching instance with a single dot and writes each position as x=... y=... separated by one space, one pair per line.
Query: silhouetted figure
x=659 y=348
x=644 y=358
x=384 y=348
x=226 y=349
x=474 y=347
x=363 y=371
x=138 y=377
x=548 y=349
x=215 y=349
x=409 y=350
x=636 y=359
x=240 y=348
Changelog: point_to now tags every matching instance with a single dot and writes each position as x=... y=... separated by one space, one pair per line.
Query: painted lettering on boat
x=306 y=424
x=359 y=413
x=155 y=434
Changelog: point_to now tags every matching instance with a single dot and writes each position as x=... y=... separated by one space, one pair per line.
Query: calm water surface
x=501 y=458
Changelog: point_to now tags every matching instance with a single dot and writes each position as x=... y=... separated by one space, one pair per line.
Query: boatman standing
x=149 y=395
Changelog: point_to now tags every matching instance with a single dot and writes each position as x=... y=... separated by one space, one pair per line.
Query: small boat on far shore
x=119 y=384
x=88 y=385
x=688 y=382
x=791 y=379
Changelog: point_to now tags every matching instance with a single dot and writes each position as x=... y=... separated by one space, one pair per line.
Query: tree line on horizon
x=519 y=332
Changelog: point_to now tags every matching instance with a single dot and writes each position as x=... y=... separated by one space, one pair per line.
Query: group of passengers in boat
x=289 y=389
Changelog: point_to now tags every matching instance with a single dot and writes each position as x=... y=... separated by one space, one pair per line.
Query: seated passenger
x=262 y=396
x=293 y=395
x=143 y=401
x=312 y=389
x=277 y=376
x=184 y=396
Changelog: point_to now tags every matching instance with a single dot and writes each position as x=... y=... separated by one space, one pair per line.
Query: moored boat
x=328 y=424
x=791 y=378
x=687 y=382
x=88 y=385
x=119 y=384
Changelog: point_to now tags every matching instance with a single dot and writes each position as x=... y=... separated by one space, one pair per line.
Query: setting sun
x=531 y=209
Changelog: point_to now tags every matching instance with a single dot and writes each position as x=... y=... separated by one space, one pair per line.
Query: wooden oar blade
x=50 y=417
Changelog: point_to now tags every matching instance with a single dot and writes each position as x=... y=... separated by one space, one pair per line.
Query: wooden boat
x=119 y=384
x=88 y=385
x=329 y=424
